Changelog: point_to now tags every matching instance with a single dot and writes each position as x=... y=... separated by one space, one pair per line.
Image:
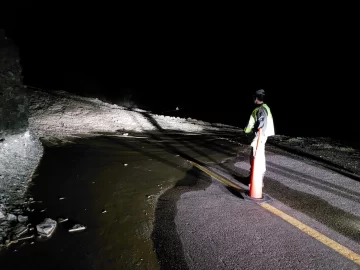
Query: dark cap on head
x=260 y=92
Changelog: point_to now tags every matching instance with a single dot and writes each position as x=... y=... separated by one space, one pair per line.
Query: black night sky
x=205 y=61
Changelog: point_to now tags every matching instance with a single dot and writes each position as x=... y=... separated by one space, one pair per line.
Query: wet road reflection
x=109 y=184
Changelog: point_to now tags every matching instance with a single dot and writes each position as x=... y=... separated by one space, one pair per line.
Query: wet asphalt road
x=163 y=213
x=123 y=176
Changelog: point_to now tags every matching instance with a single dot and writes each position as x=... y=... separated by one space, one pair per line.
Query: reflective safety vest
x=262 y=118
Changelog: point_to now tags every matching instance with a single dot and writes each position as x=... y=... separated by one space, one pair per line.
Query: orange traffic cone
x=256 y=176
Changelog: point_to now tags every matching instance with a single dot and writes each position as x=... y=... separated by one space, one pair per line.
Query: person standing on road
x=261 y=117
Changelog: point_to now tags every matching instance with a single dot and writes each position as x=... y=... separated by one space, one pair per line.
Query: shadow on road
x=315 y=207
x=165 y=237
x=314 y=182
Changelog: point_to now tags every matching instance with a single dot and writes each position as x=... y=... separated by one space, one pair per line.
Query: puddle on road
x=110 y=185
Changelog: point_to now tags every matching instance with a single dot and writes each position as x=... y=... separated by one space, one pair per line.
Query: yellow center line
x=301 y=226
x=217 y=177
x=313 y=233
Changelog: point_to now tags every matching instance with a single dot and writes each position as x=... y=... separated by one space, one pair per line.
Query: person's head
x=259 y=96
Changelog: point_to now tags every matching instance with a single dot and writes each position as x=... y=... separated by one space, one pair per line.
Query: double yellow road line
x=301 y=226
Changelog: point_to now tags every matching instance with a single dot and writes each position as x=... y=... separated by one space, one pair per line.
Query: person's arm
x=248 y=129
x=261 y=118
